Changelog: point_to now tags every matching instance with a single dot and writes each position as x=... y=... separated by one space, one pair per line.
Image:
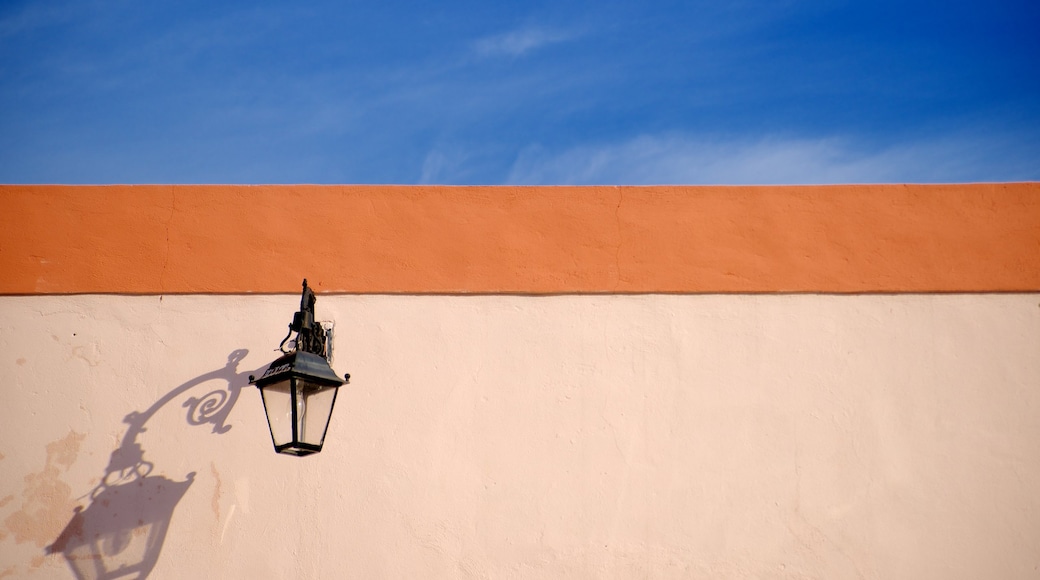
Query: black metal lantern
x=299 y=389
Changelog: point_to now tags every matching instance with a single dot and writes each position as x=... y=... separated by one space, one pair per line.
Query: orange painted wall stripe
x=156 y=239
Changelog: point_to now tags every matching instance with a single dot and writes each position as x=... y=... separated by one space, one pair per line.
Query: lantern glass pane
x=315 y=409
x=278 y=405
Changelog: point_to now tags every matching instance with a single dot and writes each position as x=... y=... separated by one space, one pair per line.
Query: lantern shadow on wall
x=122 y=530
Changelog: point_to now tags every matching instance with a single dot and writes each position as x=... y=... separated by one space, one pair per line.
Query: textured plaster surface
x=157 y=239
x=519 y=437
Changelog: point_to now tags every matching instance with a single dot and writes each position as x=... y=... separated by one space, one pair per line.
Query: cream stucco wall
x=662 y=436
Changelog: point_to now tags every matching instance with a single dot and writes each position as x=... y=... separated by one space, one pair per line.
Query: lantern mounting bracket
x=310 y=335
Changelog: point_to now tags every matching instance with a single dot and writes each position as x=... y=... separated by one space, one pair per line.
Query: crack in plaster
x=617 y=249
x=166 y=257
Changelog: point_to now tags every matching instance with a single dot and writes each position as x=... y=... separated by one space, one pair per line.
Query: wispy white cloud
x=519 y=42
x=442 y=162
x=677 y=159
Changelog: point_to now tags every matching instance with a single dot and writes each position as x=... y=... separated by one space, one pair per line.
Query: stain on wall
x=216 y=491
x=46 y=499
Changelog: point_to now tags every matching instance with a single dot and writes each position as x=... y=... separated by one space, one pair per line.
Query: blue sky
x=461 y=92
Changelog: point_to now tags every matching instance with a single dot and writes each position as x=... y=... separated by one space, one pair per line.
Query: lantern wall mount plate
x=299 y=388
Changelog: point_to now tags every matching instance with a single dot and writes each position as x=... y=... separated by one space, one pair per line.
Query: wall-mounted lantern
x=299 y=389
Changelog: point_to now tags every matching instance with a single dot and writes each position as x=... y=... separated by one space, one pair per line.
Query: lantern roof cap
x=300 y=364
